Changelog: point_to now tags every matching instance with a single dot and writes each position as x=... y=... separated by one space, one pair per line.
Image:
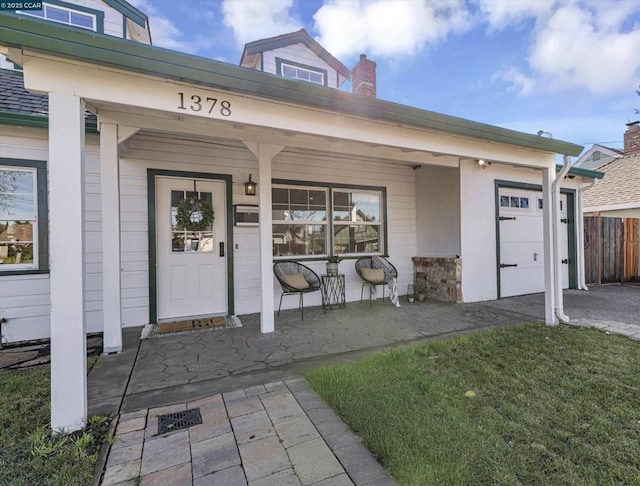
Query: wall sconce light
x=250 y=187
x=483 y=163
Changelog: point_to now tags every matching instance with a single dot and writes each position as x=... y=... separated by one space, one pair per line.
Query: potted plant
x=421 y=292
x=332 y=265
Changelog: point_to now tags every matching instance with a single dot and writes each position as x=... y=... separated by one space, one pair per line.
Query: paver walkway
x=276 y=434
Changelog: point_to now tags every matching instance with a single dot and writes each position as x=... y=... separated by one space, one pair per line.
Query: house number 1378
x=209 y=105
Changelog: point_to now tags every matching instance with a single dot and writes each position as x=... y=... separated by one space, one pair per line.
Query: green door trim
x=152 y=174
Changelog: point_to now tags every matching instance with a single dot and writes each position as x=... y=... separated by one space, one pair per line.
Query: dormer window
x=64 y=15
x=294 y=70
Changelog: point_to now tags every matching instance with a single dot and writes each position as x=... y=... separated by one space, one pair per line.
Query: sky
x=568 y=67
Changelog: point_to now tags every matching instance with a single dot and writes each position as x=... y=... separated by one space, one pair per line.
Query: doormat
x=190 y=325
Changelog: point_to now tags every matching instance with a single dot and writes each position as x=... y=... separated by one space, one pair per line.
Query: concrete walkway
x=261 y=423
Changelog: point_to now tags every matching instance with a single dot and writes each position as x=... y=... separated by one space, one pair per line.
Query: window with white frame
x=18 y=218
x=64 y=15
x=319 y=221
x=302 y=73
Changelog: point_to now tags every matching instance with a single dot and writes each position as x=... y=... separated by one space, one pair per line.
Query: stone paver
x=263 y=458
x=165 y=451
x=233 y=476
x=313 y=461
x=277 y=442
x=212 y=455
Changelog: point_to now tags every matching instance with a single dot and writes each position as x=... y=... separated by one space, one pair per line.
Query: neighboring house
x=481 y=211
x=615 y=257
x=597 y=156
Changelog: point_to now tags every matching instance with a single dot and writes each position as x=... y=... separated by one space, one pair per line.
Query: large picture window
x=325 y=220
x=21 y=212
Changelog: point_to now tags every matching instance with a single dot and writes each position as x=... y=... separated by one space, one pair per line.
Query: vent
x=179 y=420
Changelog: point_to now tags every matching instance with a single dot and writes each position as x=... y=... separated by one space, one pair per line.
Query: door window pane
x=187 y=235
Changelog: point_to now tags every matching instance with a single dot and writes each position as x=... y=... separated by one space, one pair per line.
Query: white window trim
x=330 y=223
x=46 y=5
x=307 y=70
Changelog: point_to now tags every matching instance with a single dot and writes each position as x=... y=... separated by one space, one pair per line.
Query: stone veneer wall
x=443 y=276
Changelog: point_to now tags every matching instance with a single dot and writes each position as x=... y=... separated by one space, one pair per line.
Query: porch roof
x=65 y=41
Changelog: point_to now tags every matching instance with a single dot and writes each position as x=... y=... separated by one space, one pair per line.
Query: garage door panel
x=521 y=243
x=528 y=254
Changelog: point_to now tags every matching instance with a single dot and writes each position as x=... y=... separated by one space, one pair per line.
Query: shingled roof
x=15 y=99
x=618 y=187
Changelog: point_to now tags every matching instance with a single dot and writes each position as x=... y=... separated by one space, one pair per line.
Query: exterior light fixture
x=483 y=163
x=250 y=187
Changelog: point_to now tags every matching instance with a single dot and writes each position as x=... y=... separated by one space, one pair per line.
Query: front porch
x=178 y=368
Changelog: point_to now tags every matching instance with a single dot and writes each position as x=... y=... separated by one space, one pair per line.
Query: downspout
x=555 y=213
x=582 y=284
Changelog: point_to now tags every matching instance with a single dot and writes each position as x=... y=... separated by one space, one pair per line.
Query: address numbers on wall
x=208 y=105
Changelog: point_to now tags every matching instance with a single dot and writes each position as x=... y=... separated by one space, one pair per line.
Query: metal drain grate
x=179 y=420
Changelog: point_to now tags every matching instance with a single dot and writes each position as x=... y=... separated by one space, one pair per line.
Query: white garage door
x=521 y=242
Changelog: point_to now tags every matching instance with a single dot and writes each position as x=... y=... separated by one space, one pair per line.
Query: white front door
x=521 y=242
x=191 y=261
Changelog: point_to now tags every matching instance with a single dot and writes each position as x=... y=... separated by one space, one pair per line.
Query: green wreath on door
x=188 y=209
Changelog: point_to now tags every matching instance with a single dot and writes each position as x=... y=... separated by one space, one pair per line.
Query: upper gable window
x=294 y=70
x=64 y=15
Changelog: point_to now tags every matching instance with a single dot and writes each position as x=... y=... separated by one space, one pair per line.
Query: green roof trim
x=31 y=121
x=129 y=11
x=580 y=172
x=102 y=49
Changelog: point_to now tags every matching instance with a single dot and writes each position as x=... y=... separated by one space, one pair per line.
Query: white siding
x=147 y=152
x=24 y=299
x=113 y=20
x=478 y=226
x=438 y=217
x=301 y=54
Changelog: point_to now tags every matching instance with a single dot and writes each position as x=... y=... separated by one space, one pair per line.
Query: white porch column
x=265 y=154
x=111 y=288
x=66 y=250
x=548 y=176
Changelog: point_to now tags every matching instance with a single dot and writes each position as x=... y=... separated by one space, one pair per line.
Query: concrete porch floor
x=173 y=369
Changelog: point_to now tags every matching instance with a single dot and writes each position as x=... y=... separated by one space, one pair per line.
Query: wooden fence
x=611 y=249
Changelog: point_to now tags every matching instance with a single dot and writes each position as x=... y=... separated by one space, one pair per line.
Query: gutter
x=582 y=285
x=555 y=213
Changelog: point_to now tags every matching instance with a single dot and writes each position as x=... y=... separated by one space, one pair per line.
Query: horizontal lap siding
x=150 y=152
x=25 y=299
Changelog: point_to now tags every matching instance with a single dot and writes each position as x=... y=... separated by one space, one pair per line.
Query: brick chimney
x=632 y=138
x=363 y=77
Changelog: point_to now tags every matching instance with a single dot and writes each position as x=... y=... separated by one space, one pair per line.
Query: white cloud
x=387 y=28
x=253 y=20
x=572 y=51
x=500 y=14
x=518 y=81
x=591 y=44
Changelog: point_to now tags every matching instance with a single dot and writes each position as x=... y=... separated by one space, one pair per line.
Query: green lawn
x=28 y=453
x=551 y=406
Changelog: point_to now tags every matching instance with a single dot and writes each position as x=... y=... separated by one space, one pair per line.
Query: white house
x=485 y=205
